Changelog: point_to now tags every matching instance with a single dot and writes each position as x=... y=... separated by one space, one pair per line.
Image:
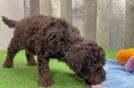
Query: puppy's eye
x=95 y=62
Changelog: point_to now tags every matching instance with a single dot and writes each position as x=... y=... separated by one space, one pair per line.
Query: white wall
x=12 y=9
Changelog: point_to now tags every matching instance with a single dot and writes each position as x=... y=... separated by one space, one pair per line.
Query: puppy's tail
x=9 y=22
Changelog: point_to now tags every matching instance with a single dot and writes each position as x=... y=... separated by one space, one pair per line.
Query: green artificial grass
x=110 y=54
x=23 y=76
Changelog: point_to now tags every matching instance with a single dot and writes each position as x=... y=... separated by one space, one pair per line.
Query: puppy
x=50 y=37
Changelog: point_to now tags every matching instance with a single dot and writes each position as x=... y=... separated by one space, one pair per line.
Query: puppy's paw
x=8 y=64
x=46 y=82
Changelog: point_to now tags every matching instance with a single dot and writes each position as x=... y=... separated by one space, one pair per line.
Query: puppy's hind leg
x=12 y=50
x=30 y=58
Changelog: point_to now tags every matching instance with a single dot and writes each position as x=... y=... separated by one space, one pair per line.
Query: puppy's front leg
x=44 y=73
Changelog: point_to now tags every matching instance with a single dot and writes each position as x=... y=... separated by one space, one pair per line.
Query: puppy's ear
x=96 y=58
x=75 y=60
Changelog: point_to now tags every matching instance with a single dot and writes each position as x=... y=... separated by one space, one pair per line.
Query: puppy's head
x=87 y=60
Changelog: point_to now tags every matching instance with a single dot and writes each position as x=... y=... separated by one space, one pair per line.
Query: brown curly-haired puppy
x=49 y=37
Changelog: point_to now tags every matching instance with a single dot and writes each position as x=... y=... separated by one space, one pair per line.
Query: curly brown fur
x=49 y=37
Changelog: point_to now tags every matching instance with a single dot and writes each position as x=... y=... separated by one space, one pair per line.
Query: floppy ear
x=96 y=57
x=75 y=60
